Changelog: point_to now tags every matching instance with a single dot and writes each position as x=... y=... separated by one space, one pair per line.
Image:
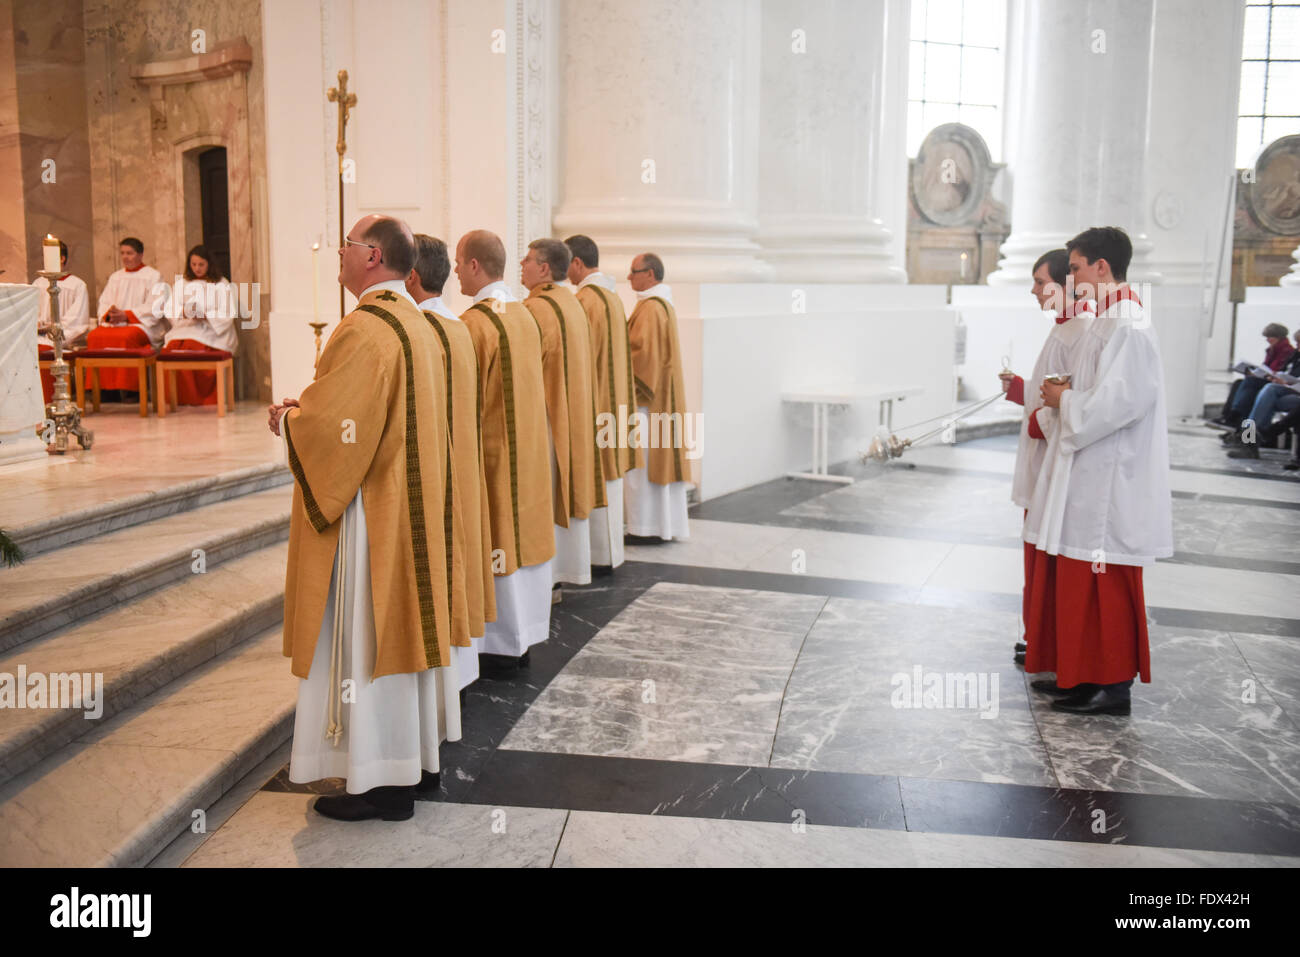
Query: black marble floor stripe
x=1235 y=562
x=775 y=795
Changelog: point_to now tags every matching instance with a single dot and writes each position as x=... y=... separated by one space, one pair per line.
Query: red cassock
x=1086 y=626
x=192 y=388
x=131 y=336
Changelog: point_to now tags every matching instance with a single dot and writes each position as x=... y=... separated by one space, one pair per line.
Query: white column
x=822 y=129
x=1195 y=73
x=659 y=133
x=1082 y=129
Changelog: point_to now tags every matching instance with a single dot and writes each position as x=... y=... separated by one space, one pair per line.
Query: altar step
x=75 y=525
x=139 y=647
x=121 y=793
x=59 y=588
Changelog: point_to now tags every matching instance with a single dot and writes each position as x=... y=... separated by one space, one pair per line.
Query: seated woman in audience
x=1242 y=393
x=1278 y=395
x=203 y=318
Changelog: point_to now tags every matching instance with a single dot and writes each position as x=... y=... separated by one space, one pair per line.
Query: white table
x=822 y=398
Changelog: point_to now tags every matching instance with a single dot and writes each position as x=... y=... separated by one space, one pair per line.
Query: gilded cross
x=346 y=101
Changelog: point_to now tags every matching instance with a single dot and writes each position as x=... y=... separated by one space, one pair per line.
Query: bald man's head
x=487 y=248
x=395 y=241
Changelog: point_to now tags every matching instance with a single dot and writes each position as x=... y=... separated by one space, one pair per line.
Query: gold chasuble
x=515 y=457
x=657 y=369
x=464 y=411
x=566 y=366
x=611 y=380
x=375 y=418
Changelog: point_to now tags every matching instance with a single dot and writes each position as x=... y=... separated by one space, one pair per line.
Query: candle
x=50 y=247
x=963 y=266
x=315 y=282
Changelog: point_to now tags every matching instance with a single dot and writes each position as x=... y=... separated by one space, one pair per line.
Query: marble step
x=139 y=647
x=121 y=794
x=48 y=532
x=59 y=588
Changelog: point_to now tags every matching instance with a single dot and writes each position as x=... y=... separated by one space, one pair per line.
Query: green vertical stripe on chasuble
x=512 y=441
x=415 y=496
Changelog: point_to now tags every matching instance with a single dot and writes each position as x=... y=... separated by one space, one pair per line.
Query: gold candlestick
x=62 y=414
x=317 y=327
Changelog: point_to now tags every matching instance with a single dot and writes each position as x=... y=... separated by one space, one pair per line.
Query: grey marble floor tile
x=914 y=691
x=684 y=672
x=1274 y=661
x=280 y=830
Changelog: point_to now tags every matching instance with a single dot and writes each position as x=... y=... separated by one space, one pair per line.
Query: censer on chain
x=890 y=446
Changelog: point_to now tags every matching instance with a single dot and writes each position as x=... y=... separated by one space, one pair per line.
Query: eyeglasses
x=642 y=269
x=353 y=242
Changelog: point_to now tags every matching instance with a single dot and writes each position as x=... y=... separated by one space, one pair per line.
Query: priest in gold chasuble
x=366 y=606
x=566 y=367
x=655 y=496
x=464 y=412
x=509 y=350
x=612 y=391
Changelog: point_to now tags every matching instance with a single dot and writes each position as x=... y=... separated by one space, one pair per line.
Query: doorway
x=213 y=190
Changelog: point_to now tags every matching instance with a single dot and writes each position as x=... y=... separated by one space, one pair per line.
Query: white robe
x=651 y=510
x=524 y=596
x=1057 y=356
x=204 y=311
x=141 y=292
x=465 y=659
x=393 y=728
x=1107 y=497
x=606 y=527
x=74 y=309
x=572 y=561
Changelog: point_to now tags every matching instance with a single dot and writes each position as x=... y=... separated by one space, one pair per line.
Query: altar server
x=131 y=312
x=515 y=457
x=202 y=311
x=612 y=391
x=566 y=367
x=1056 y=358
x=460 y=364
x=366 y=618
x=655 y=496
x=1105 y=514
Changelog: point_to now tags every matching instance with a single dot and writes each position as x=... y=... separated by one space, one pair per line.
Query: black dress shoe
x=526 y=658
x=1103 y=699
x=430 y=786
x=600 y=571
x=1230 y=438
x=1048 y=686
x=383 y=803
x=1245 y=452
x=1021 y=647
x=1019 y=658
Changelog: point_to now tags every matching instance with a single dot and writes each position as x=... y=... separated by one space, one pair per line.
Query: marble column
x=1196 y=60
x=658 y=131
x=822 y=129
x=1079 y=153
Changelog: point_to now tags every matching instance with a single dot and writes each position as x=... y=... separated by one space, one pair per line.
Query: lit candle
x=50 y=247
x=963 y=266
x=315 y=282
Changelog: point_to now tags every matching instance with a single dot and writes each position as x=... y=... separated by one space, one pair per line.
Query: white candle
x=50 y=247
x=963 y=265
x=315 y=282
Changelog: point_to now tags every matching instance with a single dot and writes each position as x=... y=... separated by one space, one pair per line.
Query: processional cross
x=346 y=101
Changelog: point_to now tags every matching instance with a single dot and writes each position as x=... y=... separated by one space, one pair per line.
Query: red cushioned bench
x=194 y=360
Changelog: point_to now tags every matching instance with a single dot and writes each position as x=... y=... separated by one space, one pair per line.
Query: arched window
x=955 y=68
x=1270 y=77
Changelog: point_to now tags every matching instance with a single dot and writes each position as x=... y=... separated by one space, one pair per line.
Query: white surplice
x=141 y=292
x=74 y=309
x=1057 y=356
x=524 y=596
x=1107 y=498
x=394 y=726
x=203 y=311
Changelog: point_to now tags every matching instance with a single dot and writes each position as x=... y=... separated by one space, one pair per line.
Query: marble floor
x=752 y=697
